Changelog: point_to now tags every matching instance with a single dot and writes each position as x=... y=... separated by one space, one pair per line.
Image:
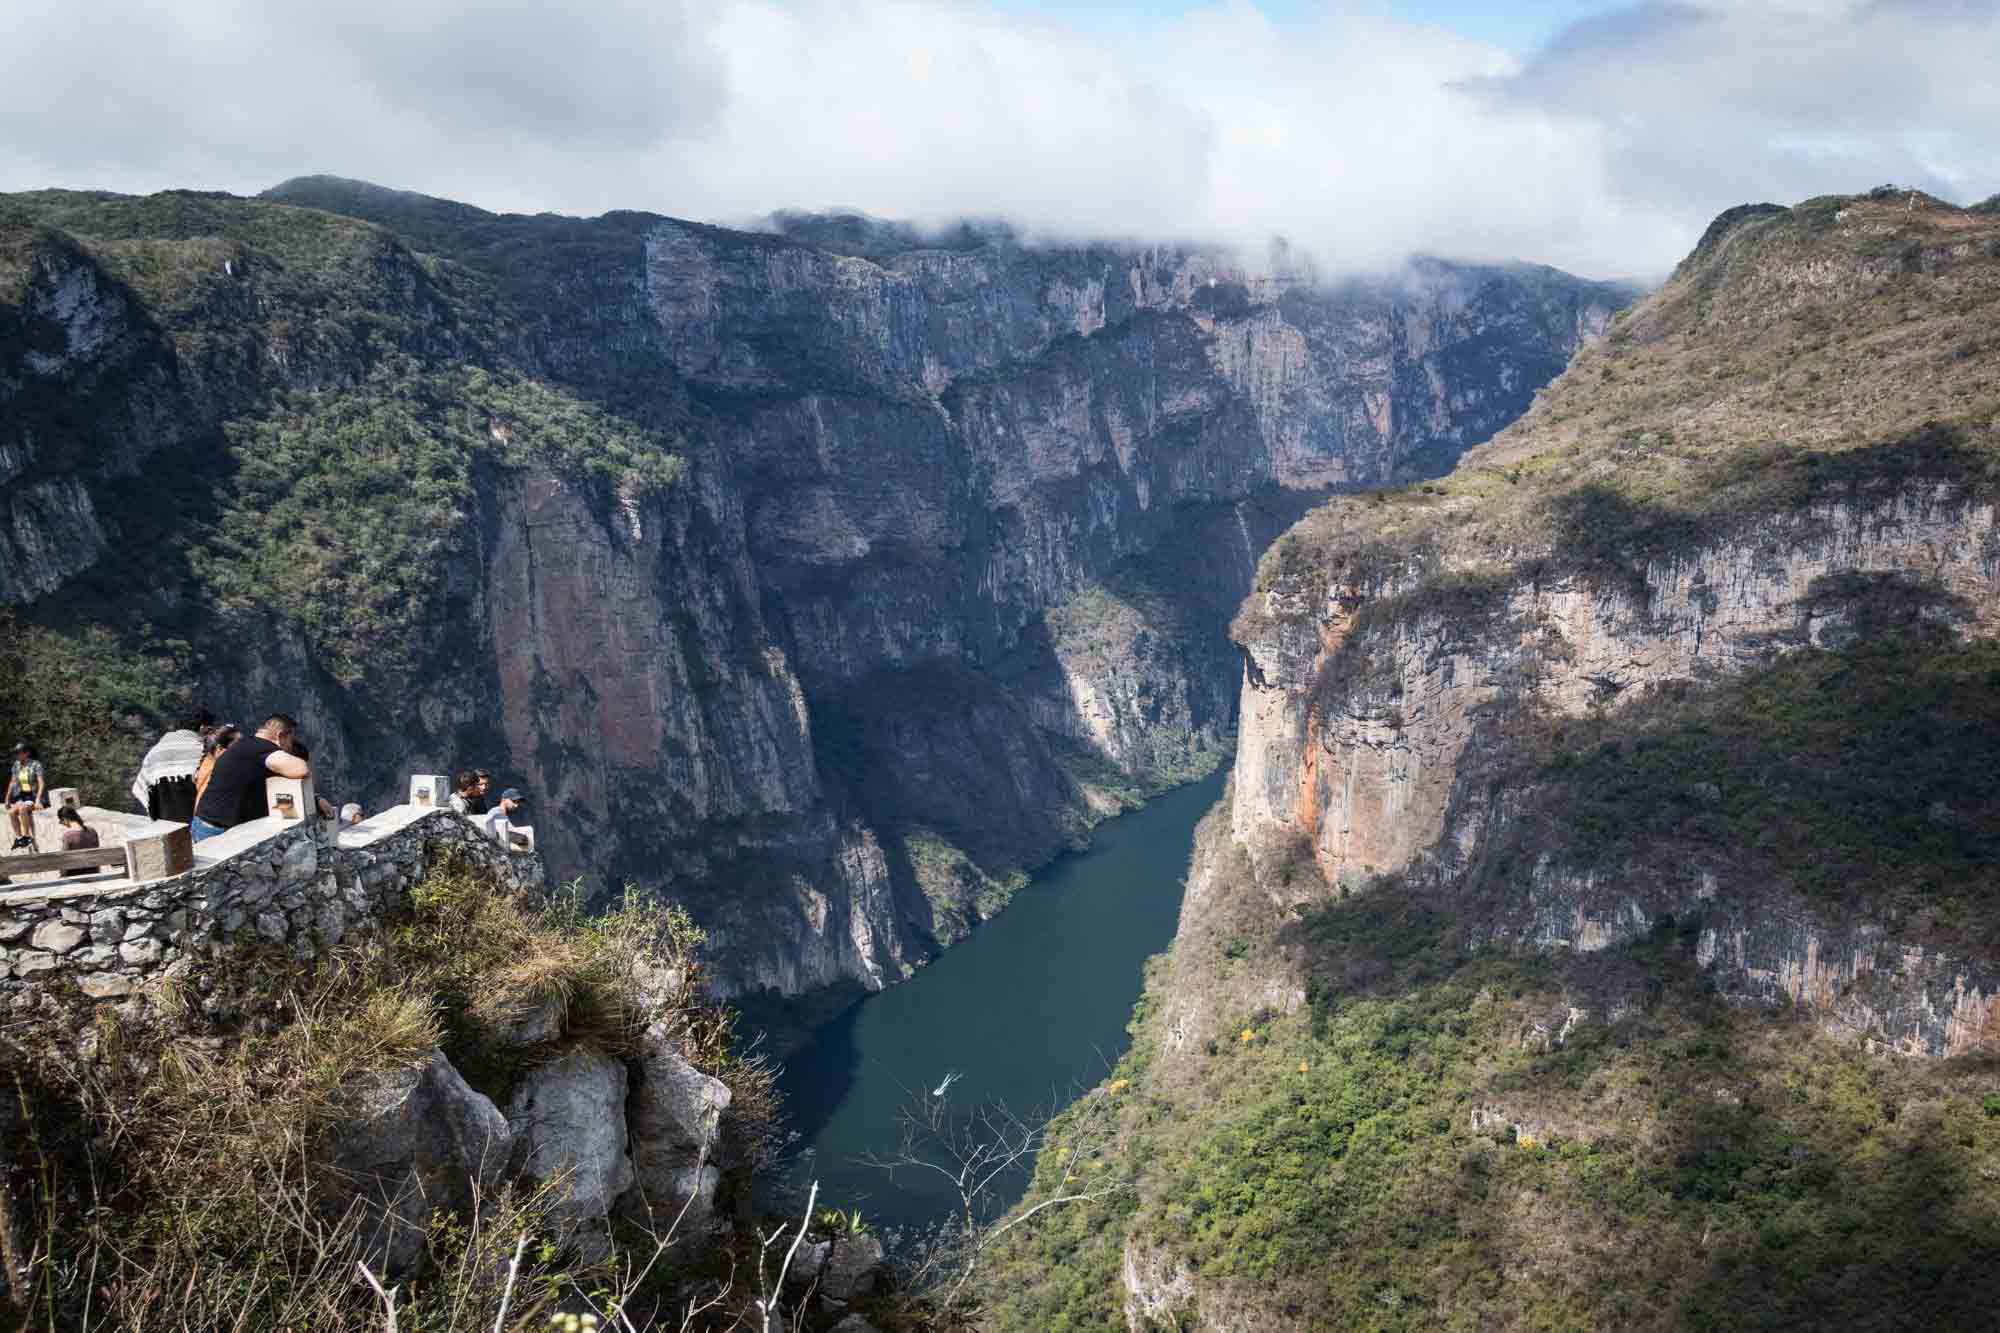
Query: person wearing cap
x=26 y=785
x=501 y=817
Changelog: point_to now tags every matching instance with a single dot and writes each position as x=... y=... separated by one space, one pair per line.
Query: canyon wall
x=936 y=576
x=1434 y=677
x=1597 y=930
x=1393 y=774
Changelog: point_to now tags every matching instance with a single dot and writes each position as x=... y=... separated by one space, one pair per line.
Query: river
x=1027 y=1011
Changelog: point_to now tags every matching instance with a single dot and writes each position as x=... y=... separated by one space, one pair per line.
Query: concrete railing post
x=430 y=791
x=162 y=849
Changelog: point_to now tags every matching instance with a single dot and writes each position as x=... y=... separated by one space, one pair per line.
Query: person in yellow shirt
x=27 y=787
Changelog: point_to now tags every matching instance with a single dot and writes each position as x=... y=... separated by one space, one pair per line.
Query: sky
x=1597 y=137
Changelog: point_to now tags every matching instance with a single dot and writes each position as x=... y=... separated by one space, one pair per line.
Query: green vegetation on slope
x=530 y=259
x=1861 y=779
x=88 y=704
x=346 y=504
x=1794 y=360
x=334 y=397
x=1433 y=1149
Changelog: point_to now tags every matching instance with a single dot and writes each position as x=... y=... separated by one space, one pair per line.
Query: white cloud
x=1357 y=137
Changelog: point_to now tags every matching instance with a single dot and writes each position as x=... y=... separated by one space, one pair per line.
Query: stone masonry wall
x=293 y=885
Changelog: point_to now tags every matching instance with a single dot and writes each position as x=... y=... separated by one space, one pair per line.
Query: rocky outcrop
x=571 y=1131
x=1371 y=780
x=906 y=474
x=412 y=1142
x=675 y=1123
x=1158 y=1286
x=568 y=1119
x=1385 y=776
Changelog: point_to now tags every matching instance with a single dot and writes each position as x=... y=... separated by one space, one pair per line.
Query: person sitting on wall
x=465 y=793
x=77 y=836
x=164 y=787
x=484 y=801
x=501 y=817
x=235 y=792
x=27 y=787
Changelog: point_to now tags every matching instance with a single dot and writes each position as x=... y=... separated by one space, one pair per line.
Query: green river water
x=1028 y=1010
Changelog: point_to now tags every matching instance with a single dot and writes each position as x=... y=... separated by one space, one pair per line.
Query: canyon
x=824 y=579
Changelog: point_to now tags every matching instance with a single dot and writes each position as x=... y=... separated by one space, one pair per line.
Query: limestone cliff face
x=1407 y=663
x=1390 y=776
x=946 y=560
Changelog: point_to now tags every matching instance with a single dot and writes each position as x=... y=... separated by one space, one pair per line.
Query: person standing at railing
x=164 y=787
x=235 y=791
x=501 y=817
x=27 y=787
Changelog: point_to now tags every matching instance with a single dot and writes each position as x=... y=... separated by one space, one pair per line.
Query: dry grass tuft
x=175 y=1169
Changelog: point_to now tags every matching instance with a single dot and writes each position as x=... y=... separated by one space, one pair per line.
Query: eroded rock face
x=568 y=1119
x=416 y=1140
x=1158 y=1286
x=1382 y=781
x=852 y=1269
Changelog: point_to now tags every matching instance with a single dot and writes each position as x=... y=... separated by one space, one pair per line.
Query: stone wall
x=295 y=885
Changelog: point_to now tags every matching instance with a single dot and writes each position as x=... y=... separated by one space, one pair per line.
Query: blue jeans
x=203 y=829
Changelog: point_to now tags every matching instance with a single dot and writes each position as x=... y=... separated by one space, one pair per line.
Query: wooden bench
x=87 y=858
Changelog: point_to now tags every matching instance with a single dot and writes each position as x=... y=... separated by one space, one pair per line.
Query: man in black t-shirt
x=235 y=791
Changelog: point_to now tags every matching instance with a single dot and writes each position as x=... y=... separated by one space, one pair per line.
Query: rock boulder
x=569 y=1128
x=418 y=1139
x=676 y=1114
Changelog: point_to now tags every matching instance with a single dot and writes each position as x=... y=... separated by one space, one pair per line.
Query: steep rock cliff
x=1598 y=928
x=1611 y=551
x=769 y=563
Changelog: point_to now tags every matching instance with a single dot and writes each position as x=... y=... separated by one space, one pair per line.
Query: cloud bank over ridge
x=1358 y=137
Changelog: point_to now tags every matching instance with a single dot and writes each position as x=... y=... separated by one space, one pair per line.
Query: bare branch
x=388 y=1298
x=767 y=1303
x=507 y=1296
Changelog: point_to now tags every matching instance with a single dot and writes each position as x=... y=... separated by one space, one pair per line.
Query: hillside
x=826 y=578
x=1598 y=929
